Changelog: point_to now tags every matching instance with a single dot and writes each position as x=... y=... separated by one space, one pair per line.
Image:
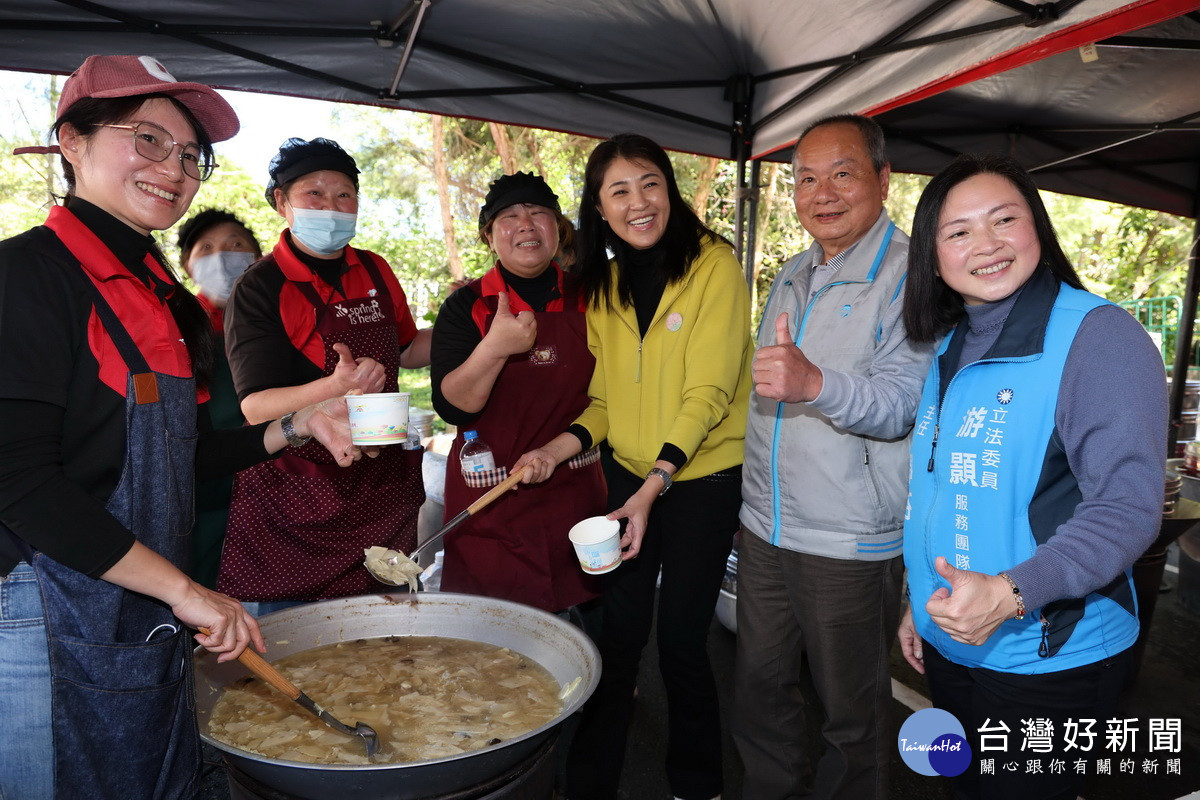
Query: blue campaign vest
x=990 y=481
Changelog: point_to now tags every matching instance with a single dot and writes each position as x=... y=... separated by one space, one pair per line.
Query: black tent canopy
x=1124 y=127
x=730 y=78
x=719 y=77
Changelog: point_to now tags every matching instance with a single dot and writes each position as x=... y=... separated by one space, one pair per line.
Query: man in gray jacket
x=825 y=481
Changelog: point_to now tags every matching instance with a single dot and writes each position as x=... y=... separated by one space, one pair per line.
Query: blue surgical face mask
x=323 y=231
x=216 y=272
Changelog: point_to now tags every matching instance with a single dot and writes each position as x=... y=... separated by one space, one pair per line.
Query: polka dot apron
x=298 y=525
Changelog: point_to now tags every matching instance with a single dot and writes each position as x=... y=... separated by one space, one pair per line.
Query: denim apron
x=120 y=662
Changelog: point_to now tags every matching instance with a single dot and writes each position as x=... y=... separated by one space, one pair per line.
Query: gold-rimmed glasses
x=155 y=143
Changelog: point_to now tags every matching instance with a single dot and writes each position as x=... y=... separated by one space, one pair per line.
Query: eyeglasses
x=155 y=143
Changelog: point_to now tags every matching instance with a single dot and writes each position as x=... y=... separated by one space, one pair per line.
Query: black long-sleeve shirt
x=62 y=430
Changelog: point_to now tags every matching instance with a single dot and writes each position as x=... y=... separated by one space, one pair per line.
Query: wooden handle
x=462 y=516
x=497 y=490
x=263 y=669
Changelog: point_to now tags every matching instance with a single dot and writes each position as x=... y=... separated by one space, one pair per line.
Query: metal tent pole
x=1183 y=341
x=739 y=90
x=752 y=223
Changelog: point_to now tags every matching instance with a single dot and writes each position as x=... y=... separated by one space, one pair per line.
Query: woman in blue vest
x=104 y=358
x=1036 y=480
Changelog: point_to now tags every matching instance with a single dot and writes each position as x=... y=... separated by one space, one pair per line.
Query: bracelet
x=1017 y=594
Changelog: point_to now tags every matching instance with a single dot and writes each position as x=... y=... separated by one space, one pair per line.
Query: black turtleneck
x=646 y=281
x=129 y=246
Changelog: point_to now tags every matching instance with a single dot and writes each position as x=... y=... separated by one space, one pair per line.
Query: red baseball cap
x=127 y=76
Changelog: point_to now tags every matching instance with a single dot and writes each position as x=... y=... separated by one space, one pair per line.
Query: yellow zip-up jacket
x=687 y=382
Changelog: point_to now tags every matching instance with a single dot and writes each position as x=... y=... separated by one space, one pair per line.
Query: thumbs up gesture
x=782 y=334
x=782 y=372
x=974 y=605
x=356 y=375
x=510 y=334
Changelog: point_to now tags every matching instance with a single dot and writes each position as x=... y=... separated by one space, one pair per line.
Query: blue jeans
x=26 y=742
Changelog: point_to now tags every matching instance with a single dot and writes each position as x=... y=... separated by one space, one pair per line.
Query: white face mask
x=323 y=231
x=216 y=272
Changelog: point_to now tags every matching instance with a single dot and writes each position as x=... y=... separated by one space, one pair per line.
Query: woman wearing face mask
x=317 y=318
x=103 y=362
x=215 y=247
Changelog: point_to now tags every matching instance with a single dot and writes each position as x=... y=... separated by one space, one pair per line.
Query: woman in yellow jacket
x=669 y=324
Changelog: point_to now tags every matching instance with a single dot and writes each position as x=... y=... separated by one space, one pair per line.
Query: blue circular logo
x=932 y=742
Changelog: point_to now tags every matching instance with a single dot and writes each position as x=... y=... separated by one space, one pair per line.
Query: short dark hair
x=198 y=225
x=931 y=308
x=297 y=158
x=681 y=241
x=872 y=136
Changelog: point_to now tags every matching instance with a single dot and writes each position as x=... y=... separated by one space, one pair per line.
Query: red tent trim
x=1123 y=20
x=1134 y=16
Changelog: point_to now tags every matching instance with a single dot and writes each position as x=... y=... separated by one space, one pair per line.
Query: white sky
x=267 y=120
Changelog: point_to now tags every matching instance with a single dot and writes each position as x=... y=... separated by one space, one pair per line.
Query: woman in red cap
x=103 y=363
x=317 y=319
x=511 y=361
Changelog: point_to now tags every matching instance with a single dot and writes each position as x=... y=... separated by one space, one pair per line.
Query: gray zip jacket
x=830 y=477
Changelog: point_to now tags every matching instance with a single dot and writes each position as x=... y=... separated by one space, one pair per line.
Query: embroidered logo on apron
x=544 y=355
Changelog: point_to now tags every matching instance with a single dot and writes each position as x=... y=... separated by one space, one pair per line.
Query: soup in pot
x=426 y=696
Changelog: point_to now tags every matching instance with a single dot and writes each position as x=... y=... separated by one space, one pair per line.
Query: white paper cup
x=597 y=543
x=378 y=418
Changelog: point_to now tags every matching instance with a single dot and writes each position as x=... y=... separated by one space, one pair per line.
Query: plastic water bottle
x=414 y=440
x=431 y=578
x=475 y=456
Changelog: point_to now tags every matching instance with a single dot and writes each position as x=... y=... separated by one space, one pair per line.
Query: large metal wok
x=558 y=646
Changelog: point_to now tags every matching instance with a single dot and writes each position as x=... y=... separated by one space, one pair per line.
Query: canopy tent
x=720 y=77
x=730 y=78
x=1124 y=127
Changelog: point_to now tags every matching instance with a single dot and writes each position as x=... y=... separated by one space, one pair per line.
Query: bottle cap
x=469 y=435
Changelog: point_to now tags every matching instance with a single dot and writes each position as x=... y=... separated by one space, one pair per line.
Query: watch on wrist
x=666 y=478
x=289 y=431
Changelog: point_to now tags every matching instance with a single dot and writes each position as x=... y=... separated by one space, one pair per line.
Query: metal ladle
x=263 y=669
x=486 y=500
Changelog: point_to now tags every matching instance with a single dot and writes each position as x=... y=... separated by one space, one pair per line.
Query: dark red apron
x=517 y=548
x=298 y=525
